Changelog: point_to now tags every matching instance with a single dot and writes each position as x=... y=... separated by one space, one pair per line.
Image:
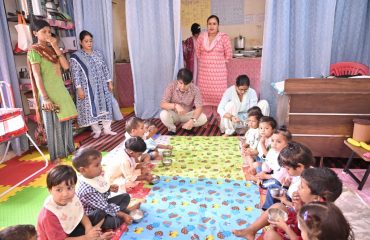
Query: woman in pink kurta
x=213 y=52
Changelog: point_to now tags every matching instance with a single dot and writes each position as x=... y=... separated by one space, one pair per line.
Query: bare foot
x=244 y=233
x=57 y=161
x=127 y=218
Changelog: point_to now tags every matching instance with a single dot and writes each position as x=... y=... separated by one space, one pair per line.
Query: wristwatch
x=194 y=120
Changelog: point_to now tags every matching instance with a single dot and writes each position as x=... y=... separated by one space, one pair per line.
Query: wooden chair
x=348 y=69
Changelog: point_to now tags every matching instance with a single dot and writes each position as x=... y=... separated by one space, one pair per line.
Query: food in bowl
x=167 y=161
x=167 y=153
x=155 y=179
x=277 y=192
x=137 y=215
x=276 y=214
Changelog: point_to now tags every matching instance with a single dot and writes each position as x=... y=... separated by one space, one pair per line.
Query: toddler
x=19 y=232
x=125 y=171
x=315 y=220
x=266 y=127
x=62 y=216
x=272 y=173
x=317 y=184
x=93 y=191
x=252 y=136
x=151 y=145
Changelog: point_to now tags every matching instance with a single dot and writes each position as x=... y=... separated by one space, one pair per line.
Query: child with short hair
x=134 y=128
x=317 y=184
x=125 y=171
x=272 y=173
x=315 y=220
x=255 y=157
x=62 y=216
x=93 y=190
x=19 y=232
x=151 y=145
x=252 y=136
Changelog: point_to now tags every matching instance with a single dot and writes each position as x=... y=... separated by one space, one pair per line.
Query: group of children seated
x=100 y=202
x=273 y=161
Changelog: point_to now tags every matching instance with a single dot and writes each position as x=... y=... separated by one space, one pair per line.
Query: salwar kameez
x=91 y=74
x=58 y=125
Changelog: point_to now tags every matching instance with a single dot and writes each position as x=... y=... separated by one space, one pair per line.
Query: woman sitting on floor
x=235 y=103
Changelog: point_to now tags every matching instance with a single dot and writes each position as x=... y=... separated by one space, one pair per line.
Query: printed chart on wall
x=230 y=12
x=194 y=11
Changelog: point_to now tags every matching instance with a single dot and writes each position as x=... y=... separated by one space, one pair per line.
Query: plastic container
x=361 y=130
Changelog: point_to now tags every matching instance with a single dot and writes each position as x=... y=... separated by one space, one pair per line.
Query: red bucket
x=11 y=123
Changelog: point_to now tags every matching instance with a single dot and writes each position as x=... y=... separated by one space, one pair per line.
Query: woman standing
x=213 y=52
x=93 y=87
x=188 y=47
x=48 y=87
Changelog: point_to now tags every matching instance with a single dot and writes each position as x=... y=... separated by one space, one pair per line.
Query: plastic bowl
x=167 y=162
x=137 y=215
x=167 y=153
x=277 y=192
x=155 y=179
x=276 y=214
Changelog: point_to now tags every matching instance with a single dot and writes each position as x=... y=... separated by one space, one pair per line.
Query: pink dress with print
x=212 y=71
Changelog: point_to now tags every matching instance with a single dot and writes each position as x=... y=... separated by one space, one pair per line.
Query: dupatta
x=50 y=55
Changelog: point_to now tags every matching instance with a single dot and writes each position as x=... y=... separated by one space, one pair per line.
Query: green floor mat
x=23 y=208
x=207 y=157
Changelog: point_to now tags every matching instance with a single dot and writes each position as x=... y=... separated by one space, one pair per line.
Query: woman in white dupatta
x=235 y=103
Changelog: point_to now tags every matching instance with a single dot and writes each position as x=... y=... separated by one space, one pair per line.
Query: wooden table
x=359 y=151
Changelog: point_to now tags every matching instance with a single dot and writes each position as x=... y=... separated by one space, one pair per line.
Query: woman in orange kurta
x=213 y=52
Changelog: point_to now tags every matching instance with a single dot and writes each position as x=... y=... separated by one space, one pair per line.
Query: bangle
x=45 y=98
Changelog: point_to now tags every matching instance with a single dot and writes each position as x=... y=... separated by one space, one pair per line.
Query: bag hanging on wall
x=24 y=33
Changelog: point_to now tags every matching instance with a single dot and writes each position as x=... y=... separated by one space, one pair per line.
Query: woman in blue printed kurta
x=93 y=87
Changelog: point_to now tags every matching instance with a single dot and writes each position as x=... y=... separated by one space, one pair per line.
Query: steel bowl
x=277 y=192
x=167 y=153
x=167 y=162
x=137 y=215
x=276 y=214
x=155 y=179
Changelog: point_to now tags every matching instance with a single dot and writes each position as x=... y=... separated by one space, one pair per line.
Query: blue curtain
x=295 y=42
x=351 y=38
x=95 y=16
x=8 y=74
x=154 y=41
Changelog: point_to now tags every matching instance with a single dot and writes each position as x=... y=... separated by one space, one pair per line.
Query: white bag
x=24 y=33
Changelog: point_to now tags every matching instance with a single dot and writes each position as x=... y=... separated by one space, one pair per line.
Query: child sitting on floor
x=93 y=190
x=62 y=216
x=315 y=220
x=125 y=171
x=294 y=159
x=151 y=145
x=19 y=232
x=135 y=128
x=317 y=184
x=255 y=157
x=252 y=136
x=272 y=173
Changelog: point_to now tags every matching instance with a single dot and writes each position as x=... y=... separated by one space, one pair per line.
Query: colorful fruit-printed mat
x=200 y=196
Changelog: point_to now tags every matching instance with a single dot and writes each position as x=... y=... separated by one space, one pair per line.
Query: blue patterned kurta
x=90 y=72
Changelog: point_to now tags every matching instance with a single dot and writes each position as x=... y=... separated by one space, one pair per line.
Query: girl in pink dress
x=213 y=52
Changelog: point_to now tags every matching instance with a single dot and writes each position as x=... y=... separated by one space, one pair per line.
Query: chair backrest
x=348 y=69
